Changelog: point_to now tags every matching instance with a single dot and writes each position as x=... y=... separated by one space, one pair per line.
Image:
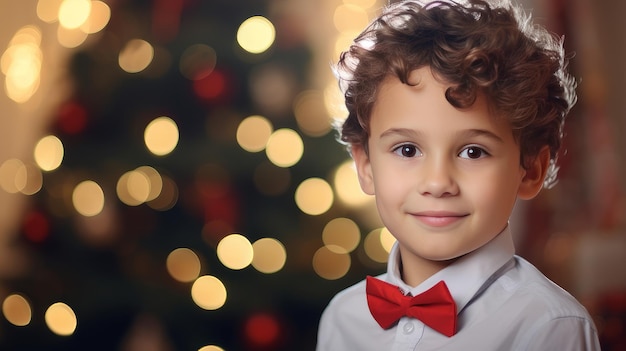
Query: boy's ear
x=363 y=169
x=535 y=173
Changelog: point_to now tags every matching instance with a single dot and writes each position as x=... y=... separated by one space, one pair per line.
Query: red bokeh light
x=36 y=227
x=72 y=118
x=262 y=330
x=210 y=87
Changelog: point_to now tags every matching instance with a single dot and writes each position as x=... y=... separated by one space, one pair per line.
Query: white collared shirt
x=503 y=303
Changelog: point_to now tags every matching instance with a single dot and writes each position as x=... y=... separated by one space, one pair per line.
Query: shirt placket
x=409 y=332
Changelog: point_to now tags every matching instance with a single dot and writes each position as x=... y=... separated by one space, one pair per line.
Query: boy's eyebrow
x=401 y=131
x=468 y=133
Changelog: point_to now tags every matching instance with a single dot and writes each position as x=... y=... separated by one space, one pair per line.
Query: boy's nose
x=437 y=178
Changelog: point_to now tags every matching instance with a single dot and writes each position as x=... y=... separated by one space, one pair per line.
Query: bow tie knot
x=435 y=307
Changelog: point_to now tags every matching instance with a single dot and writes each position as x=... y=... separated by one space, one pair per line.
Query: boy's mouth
x=439 y=218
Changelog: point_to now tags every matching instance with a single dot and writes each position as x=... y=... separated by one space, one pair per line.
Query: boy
x=455 y=112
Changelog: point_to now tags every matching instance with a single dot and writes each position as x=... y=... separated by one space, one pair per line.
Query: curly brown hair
x=478 y=48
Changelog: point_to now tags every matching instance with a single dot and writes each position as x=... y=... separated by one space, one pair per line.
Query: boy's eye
x=473 y=152
x=407 y=150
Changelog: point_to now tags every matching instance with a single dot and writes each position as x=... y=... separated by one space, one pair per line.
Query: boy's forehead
x=434 y=87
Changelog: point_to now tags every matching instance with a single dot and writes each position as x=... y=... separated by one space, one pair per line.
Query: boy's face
x=445 y=179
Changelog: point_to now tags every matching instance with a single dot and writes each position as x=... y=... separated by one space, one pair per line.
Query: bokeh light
x=235 y=251
x=272 y=88
x=211 y=348
x=183 y=264
x=284 y=147
x=387 y=239
x=136 y=55
x=133 y=188
x=342 y=233
x=70 y=38
x=364 y=4
x=61 y=319
x=161 y=136
x=17 y=310
x=311 y=116
x=347 y=187
x=21 y=64
x=48 y=153
x=208 y=292
x=373 y=245
x=197 y=61
x=48 y=10
x=314 y=196
x=99 y=17
x=256 y=34
x=28 y=179
x=331 y=264
x=262 y=330
x=254 y=132
x=350 y=18
x=74 y=13
x=16 y=176
x=168 y=196
x=88 y=198
x=269 y=255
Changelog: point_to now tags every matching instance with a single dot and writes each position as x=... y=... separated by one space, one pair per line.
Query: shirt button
x=408 y=328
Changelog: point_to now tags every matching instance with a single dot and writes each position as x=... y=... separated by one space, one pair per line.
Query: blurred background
x=169 y=177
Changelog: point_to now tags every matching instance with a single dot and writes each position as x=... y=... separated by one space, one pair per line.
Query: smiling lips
x=439 y=218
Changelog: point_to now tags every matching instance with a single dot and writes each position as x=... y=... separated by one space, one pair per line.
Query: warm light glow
x=253 y=133
x=161 y=136
x=341 y=233
x=347 y=187
x=208 y=292
x=284 y=147
x=330 y=264
x=140 y=185
x=256 y=34
x=387 y=239
x=70 y=38
x=98 y=18
x=235 y=251
x=334 y=101
x=28 y=179
x=61 y=319
x=373 y=245
x=167 y=197
x=348 y=18
x=48 y=153
x=73 y=13
x=269 y=255
x=136 y=55
x=365 y=4
x=8 y=174
x=48 y=10
x=16 y=310
x=183 y=265
x=88 y=198
x=21 y=64
x=197 y=61
x=155 y=181
x=210 y=348
x=311 y=116
x=314 y=196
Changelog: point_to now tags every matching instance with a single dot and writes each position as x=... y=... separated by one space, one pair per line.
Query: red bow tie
x=434 y=307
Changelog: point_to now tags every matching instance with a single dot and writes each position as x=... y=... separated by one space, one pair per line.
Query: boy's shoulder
x=528 y=290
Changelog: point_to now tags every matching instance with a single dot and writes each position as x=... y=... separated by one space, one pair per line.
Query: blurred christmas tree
x=181 y=63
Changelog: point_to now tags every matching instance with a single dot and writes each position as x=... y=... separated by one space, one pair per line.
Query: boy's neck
x=414 y=271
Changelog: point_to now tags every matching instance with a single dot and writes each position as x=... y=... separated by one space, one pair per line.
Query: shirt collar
x=467 y=276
